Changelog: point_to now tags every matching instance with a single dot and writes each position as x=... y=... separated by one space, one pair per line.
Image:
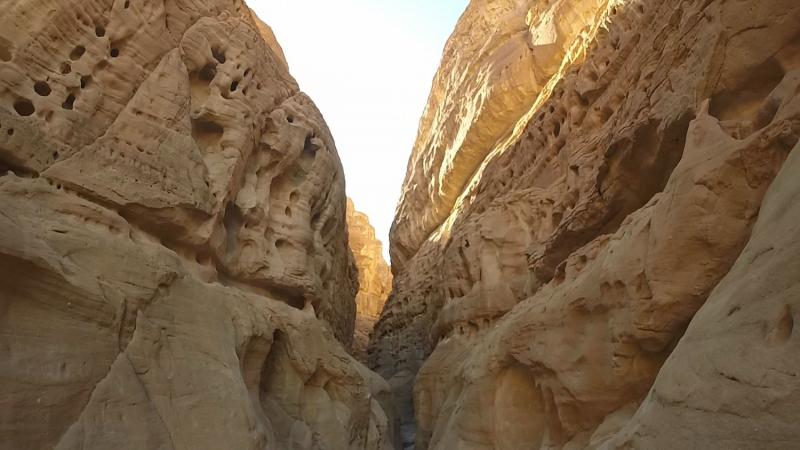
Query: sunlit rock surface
x=374 y=278
x=174 y=262
x=555 y=239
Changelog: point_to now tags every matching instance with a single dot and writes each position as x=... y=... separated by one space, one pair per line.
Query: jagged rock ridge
x=173 y=247
x=548 y=263
x=374 y=277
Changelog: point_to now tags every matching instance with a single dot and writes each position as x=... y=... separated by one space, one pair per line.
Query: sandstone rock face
x=374 y=278
x=174 y=263
x=549 y=282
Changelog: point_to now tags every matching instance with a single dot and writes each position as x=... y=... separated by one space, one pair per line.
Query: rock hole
x=246 y=72
x=206 y=134
x=234 y=86
x=219 y=56
x=69 y=103
x=208 y=73
x=55 y=156
x=466 y=244
x=114 y=52
x=10 y=131
x=127 y=4
x=280 y=243
x=77 y=53
x=99 y=31
x=288 y=212
x=293 y=197
x=290 y=119
x=85 y=81
x=24 y=107
x=66 y=69
x=309 y=149
x=42 y=88
x=557 y=130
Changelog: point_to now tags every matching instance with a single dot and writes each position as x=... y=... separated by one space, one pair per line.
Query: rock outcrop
x=581 y=185
x=374 y=278
x=174 y=262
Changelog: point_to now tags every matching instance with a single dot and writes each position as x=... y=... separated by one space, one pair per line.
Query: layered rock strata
x=549 y=282
x=374 y=278
x=174 y=261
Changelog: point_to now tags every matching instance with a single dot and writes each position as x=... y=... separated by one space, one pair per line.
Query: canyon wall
x=374 y=278
x=174 y=261
x=587 y=176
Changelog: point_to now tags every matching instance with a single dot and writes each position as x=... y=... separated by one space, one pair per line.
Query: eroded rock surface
x=174 y=261
x=374 y=278
x=555 y=240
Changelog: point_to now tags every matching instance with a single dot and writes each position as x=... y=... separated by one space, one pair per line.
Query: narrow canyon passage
x=595 y=246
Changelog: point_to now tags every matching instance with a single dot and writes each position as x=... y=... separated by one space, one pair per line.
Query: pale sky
x=368 y=65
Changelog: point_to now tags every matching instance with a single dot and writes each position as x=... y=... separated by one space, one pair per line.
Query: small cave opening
x=42 y=88
x=218 y=55
x=24 y=107
x=77 y=53
x=207 y=73
x=69 y=102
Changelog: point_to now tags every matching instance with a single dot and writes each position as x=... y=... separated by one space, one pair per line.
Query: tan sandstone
x=174 y=263
x=374 y=278
x=548 y=267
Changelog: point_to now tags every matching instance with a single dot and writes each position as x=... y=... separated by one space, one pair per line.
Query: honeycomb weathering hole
x=77 y=53
x=24 y=107
x=208 y=73
x=218 y=55
x=69 y=103
x=42 y=88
